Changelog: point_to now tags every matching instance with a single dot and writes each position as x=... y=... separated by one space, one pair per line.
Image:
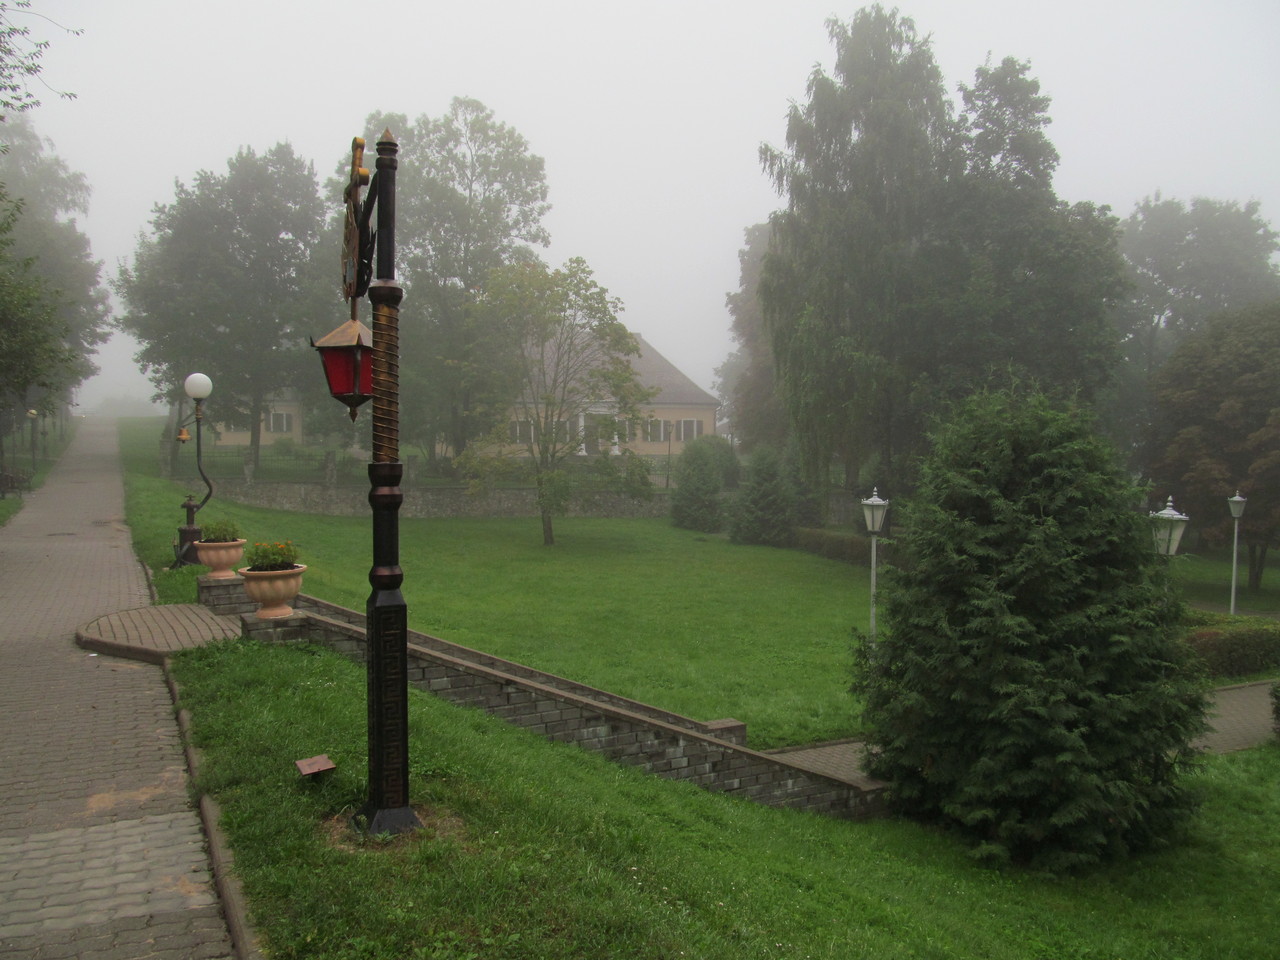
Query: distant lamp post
x=874 y=512
x=1236 y=504
x=360 y=364
x=198 y=387
x=1167 y=527
x=32 y=415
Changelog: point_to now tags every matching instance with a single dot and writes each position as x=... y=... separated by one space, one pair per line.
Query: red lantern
x=347 y=355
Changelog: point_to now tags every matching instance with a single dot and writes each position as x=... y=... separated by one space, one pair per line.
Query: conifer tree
x=1030 y=689
x=695 y=502
x=765 y=511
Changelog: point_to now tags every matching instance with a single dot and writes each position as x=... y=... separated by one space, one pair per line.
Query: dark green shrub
x=695 y=501
x=1275 y=708
x=1030 y=689
x=724 y=456
x=764 y=510
x=835 y=545
x=1236 y=649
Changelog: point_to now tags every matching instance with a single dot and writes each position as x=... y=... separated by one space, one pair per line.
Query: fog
x=649 y=116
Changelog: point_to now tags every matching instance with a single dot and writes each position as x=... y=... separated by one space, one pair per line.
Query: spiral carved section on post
x=386 y=299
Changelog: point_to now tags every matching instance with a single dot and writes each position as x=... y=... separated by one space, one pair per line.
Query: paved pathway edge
x=235 y=909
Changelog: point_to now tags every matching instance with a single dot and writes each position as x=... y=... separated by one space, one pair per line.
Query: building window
x=687 y=430
x=658 y=431
x=279 y=422
x=521 y=431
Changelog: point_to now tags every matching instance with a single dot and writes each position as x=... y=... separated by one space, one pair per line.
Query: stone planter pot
x=273 y=590
x=220 y=557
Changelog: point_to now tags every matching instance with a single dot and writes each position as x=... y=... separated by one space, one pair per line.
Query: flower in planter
x=272 y=556
x=219 y=531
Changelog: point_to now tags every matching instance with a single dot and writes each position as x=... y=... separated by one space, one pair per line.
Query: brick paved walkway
x=101 y=855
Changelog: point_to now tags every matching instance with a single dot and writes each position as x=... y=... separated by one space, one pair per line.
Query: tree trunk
x=1257 y=564
x=255 y=430
x=544 y=509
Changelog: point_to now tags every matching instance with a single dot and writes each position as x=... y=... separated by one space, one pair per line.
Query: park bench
x=14 y=482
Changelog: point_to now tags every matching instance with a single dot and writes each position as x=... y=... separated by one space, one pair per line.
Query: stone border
x=710 y=755
x=235 y=910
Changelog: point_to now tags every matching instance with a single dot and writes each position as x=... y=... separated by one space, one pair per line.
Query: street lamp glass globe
x=1236 y=504
x=874 y=510
x=198 y=386
x=1167 y=528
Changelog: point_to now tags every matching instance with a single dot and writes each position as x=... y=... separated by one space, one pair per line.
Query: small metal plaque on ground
x=313 y=765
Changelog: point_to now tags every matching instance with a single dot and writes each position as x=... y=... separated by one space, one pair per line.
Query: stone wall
x=712 y=755
x=348 y=500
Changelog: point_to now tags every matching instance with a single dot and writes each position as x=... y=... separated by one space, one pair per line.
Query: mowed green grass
x=537 y=851
x=684 y=621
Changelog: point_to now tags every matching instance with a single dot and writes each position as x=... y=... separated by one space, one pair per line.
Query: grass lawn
x=1205 y=580
x=538 y=850
x=680 y=620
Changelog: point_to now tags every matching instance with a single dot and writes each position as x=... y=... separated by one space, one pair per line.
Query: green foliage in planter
x=1030 y=689
x=1237 y=647
x=764 y=511
x=699 y=476
x=273 y=555
x=219 y=531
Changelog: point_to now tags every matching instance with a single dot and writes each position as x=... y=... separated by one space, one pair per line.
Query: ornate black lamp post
x=359 y=363
x=198 y=387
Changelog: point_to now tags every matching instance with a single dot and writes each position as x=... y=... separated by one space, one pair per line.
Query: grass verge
x=680 y=620
x=539 y=850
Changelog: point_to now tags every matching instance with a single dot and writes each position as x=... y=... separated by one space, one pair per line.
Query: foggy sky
x=649 y=116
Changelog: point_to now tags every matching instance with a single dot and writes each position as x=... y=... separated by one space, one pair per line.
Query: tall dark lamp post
x=1236 y=504
x=198 y=387
x=874 y=512
x=360 y=363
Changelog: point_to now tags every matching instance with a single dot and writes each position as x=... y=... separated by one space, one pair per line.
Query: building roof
x=657 y=372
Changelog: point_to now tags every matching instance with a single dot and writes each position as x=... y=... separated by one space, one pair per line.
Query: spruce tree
x=765 y=510
x=695 y=502
x=1029 y=688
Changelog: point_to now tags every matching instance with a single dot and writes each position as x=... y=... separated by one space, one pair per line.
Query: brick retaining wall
x=712 y=755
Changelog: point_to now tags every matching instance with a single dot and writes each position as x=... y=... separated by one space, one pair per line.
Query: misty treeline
x=241 y=268
x=922 y=253
x=53 y=308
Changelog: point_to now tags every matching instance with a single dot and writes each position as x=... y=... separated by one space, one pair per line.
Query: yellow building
x=679 y=411
x=281 y=419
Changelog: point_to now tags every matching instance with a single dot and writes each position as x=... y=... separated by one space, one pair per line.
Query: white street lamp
x=874 y=512
x=198 y=387
x=1236 y=504
x=1167 y=527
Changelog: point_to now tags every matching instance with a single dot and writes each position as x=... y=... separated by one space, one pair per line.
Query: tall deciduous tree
x=34 y=356
x=861 y=171
x=1030 y=689
x=1188 y=263
x=575 y=377
x=46 y=233
x=751 y=402
x=228 y=282
x=471 y=197
x=20 y=60
x=1185 y=263
x=920 y=251
x=1217 y=428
